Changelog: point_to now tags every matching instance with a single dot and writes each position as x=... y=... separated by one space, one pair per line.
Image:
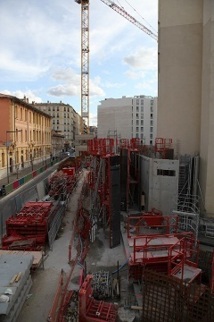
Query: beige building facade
x=64 y=120
x=128 y=117
x=25 y=135
x=186 y=84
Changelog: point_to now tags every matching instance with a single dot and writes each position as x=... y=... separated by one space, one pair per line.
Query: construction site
x=93 y=249
x=120 y=232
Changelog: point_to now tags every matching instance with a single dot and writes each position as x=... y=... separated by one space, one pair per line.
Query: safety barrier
x=19 y=182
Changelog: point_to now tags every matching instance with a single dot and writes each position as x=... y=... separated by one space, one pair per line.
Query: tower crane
x=85 y=48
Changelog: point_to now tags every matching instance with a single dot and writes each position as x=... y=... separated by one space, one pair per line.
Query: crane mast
x=85 y=48
x=84 y=60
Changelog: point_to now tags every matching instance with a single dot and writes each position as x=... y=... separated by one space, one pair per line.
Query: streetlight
x=31 y=161
x=7 y=143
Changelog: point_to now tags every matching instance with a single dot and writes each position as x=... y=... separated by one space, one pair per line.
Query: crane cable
x=137 y=13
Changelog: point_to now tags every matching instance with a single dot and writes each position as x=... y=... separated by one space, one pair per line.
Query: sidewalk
x=24 y=175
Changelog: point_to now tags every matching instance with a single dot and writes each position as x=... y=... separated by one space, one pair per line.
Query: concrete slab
x=14 y=272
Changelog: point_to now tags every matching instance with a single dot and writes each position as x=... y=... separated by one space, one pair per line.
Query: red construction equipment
x=183 y=261
x=91 y=310
x=101 y=147
x=28 y=229
x=156 y=251
x=69 y=171
x=152 y=222
x=162 y=146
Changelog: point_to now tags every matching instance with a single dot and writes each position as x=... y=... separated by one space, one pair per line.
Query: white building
x=129 y=117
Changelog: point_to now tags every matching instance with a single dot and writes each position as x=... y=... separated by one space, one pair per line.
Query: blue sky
x=40 y=51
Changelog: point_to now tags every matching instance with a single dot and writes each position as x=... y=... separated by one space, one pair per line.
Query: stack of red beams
x=28 y=228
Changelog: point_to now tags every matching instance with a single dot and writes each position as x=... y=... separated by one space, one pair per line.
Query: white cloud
x=72 y=84
x=37 y=38
x=66 y=74
x=20 y=69
x=143 y=58
x=64 y=90
x=20 y=94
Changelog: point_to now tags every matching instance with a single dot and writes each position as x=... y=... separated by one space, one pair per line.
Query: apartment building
x=62 y=119
x=25 y=135
x=129 y=117
x=65 y=120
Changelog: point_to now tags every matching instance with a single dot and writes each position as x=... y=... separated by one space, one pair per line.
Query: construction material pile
x=62 y=182
x=28 y=229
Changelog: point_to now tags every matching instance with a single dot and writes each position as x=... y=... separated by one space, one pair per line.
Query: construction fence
x=165 y=299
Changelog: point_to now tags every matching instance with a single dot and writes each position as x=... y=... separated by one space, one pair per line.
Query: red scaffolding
x=91 y=310
x=151 y=223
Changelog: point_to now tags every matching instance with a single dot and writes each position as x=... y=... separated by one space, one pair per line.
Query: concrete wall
x=180 y=69
x=159 y=179
x=186 y=84
x=115 y=115
x=207 y=110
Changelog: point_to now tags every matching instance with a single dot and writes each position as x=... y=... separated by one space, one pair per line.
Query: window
x=137 y=115
x=151 y=115
x=137 y=122
x=169 y=173
x=151 y=129
x=137 y=129
x=141 y=128
x=151 y=122
x=141 y=122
